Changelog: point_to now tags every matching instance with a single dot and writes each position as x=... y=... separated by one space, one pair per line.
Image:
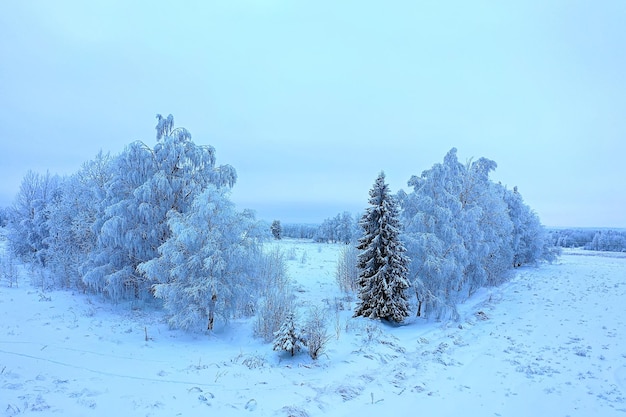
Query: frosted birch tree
x=531 y=243
x=28 y=227
x=463 y=232
x=207 y=269
x=71 y=220
x=430 y=216
x=148 y=185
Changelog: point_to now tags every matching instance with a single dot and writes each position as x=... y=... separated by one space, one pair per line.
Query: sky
x=309 y=101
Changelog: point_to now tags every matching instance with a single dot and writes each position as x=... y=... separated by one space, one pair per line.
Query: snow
x=549 y=342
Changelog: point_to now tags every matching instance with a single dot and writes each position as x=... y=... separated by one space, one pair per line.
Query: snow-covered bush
x=315 y=333
x=275 y=295
x=347 y=273
x=8 y=269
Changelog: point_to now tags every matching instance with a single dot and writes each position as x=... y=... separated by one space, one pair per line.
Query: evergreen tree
x=382 y=263
x=276 y=229
x=287 y=337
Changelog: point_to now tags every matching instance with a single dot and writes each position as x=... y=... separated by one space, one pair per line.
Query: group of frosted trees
x=460 y=232
x=339 y=229
x=149 y=222
x=590 y=239
x=157 y=223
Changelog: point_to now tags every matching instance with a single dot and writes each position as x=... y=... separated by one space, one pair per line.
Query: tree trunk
x=211 y=312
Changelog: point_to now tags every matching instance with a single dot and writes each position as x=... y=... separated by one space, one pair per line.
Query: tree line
x=157 y=224
x=590 y=239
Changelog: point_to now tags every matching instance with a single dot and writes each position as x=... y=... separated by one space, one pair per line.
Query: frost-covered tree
x=607 y=240
x=28 y=217
x=347 y=272
x=4 y=216
x=327 y=232
x=484 y=226
x=147 y=186
x=382 y=262
x=497 y=231
x=299 y=230
x=531 y=243
x=276 y=229
x=126 y=235
x=207 y=269
x=72 y=218
x=435 y=245
x=341 y=228
x=463 y=232
x=288 y=337
x=346 y=228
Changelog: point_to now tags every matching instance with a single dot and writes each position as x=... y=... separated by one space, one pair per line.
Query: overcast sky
x=309 y=100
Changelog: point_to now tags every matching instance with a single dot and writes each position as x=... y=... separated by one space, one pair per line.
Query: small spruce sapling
x=288 y=338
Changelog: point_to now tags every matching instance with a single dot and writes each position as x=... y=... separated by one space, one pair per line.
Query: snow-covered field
x=552 y=342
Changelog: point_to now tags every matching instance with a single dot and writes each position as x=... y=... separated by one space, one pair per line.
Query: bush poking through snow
x=276 y=296
x=347 y=273
x=315 y=333
x=8 y=269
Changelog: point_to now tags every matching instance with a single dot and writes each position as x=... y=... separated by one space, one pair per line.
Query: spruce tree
x=277 y=230
x=288 y=338
x=383 y=265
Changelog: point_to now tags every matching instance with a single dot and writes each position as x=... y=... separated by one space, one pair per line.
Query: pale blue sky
x=310 y=100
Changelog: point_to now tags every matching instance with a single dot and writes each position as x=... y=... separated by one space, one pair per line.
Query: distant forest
x=338 y=228
x=590 y=239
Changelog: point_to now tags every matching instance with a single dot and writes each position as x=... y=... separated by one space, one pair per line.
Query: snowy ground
x=550 y=342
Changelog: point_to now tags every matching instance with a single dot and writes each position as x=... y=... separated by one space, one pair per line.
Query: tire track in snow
x=109 y=374
x=106 y=355
x=140 y=378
